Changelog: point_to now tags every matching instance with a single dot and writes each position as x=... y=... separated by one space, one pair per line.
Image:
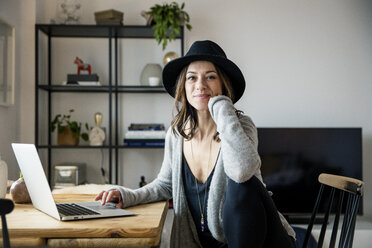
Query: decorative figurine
x=96 y=134
x=68 y=11
x=81 y=66
x=148 y=17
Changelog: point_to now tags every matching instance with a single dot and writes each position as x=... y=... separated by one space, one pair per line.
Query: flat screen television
x=293 y=158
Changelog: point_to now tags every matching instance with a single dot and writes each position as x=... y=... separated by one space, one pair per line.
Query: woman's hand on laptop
x=110 y=196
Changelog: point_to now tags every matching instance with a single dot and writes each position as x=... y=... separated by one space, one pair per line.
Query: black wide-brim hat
x=204 y=51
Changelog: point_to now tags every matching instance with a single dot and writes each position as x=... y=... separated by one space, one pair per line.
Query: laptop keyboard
x=71 y=209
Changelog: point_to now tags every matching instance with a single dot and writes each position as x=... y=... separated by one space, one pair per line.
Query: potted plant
x=168 y=16
x=69 y=132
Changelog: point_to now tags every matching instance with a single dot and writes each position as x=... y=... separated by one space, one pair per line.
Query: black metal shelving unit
x=112 y=34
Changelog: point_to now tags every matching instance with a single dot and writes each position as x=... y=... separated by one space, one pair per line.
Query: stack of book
x=145 y=134
x=83 y=79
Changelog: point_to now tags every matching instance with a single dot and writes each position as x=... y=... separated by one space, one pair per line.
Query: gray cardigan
x=238 y=160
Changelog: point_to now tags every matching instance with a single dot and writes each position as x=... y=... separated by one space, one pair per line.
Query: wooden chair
x=6 y=206
x=349 y=189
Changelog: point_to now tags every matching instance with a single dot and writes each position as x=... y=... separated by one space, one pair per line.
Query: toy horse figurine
x=81 y=66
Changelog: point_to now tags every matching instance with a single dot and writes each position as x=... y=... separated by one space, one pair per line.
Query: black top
x=205 y=237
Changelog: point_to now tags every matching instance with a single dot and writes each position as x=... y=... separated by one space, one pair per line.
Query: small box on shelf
x=109 y=17
x=69 y=174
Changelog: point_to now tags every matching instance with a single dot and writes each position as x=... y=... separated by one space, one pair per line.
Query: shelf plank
x=96 y=147
x=119 y=89
x=140 y=89
x=140 y=147
x=98 y=31
x=72 y=147
x=68 y=88
x=61 y=30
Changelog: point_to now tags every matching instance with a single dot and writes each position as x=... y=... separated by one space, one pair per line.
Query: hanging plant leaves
x=168 y=17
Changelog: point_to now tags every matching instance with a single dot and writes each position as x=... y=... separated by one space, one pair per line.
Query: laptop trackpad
x=96 y=206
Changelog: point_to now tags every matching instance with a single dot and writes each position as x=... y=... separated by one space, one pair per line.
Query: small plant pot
x=67 y=138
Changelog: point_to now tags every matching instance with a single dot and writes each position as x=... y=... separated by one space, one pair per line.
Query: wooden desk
x=30 y=227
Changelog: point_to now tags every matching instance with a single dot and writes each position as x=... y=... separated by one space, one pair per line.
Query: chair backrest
x=345 y=188
x=6 y=206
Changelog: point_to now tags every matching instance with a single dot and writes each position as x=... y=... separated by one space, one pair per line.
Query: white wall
x=306 y=63
x=17 y=121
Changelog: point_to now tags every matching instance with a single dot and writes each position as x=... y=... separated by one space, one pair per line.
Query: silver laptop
x=41 y=196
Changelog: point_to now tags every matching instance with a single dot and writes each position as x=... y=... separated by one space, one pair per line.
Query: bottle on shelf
x=142 y=182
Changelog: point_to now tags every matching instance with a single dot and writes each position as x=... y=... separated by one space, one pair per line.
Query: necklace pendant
x=202 y=224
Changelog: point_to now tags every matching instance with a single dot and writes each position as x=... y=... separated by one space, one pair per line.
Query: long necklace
x=206 y=186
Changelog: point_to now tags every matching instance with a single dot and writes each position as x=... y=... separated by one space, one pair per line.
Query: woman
x=211 y=167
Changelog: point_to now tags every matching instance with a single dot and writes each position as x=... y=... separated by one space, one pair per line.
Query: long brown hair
x=185 y=112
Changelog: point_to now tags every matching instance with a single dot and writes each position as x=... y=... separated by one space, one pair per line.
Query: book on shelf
x=145 y=131
x=144 y=144
x=145 y=134
x=82 y=77
x=88 y=83
x=146 y=126
x=143 y=140
x=82 y=83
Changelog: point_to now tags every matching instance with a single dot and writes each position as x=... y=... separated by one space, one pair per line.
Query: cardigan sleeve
x=157 y=190
x=239 y=140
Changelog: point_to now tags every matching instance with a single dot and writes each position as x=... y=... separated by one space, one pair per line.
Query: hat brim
x=173 y=68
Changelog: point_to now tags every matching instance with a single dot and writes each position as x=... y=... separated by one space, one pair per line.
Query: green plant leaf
x=55 y=122
x=61 y=129
x=85 y=136
x=165 y=42
x=74 y=126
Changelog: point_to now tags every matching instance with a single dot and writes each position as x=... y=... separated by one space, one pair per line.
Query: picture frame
x=7 y=63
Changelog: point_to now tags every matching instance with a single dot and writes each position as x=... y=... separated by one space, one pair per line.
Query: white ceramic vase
x=150 y=70
x=3 y=178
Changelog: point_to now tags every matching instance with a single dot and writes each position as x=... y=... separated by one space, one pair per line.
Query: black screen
x=293 y=158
